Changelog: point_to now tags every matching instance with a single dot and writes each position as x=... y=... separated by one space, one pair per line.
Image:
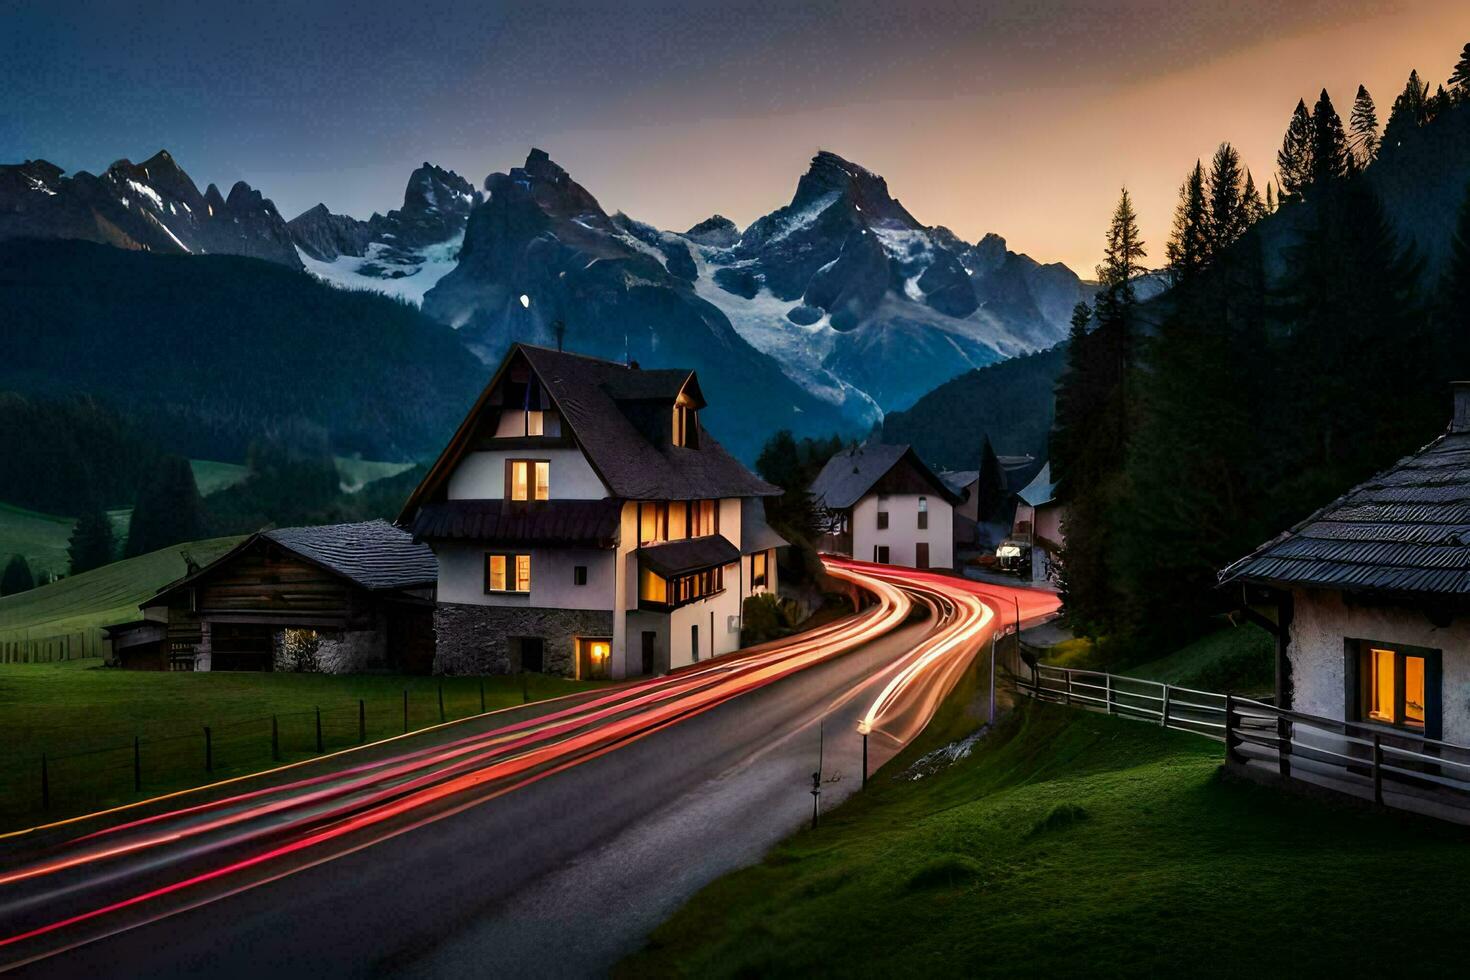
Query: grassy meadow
x=1072 y=843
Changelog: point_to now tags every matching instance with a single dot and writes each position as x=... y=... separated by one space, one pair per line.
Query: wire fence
x=1388 y=766
x=123 y=767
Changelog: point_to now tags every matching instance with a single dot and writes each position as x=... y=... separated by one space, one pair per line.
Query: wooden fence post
x=1108 y=694
x=1377 y=768
x=1229 y=728
x=1164 y=714
x=208 y=751
x=319 y=730
x=1068 y=695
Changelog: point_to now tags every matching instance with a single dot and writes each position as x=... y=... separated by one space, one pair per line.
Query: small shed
x=336 y=598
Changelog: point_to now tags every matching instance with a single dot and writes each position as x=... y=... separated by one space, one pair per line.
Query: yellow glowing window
x=521 y=474
x=535 y=424
x=652 y=587
x=1381 y=692
x=758 y=568
x=507 y=573
x=1394 y=687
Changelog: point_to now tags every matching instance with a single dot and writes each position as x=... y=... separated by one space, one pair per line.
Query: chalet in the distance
x=879 y=502
x=1373 y=592
x=587 y=524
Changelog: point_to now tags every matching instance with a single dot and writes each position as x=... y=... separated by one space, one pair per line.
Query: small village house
x=879 y=502
x=1036 y=537
x=587 y=524
x=1373 y=595
x=339 y=598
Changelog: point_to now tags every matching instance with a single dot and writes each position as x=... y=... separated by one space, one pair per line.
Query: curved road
x=609 y=810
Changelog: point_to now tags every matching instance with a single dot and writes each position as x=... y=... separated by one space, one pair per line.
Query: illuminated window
x=651 y=522
x=507 y=573
x=528 y=479
x=758 y=569
x=703 y=518
x=1393 y=686
x=597 y=658
x=652 y=587
x=923 y=513
x=678 y=520
x=686 y=427
x=535 y=423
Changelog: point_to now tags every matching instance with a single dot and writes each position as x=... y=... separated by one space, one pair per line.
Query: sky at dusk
x=1021 y=117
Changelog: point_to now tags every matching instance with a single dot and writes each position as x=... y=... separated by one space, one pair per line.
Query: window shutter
x=1433 y=695
x=1352 y=692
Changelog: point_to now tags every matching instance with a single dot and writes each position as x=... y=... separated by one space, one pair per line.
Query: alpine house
x=586 y=524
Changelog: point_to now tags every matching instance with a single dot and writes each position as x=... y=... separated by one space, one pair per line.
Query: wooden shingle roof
x=1404 y=531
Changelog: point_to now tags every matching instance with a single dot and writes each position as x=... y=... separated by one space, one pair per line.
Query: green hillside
x=1070 y=844
x=42 y=538
x=102 y=596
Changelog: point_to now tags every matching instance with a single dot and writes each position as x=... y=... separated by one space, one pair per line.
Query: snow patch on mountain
x=384 y=270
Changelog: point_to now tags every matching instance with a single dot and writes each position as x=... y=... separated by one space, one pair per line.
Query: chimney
x=1460 y=421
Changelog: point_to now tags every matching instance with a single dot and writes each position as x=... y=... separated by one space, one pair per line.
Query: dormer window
x=686 y=426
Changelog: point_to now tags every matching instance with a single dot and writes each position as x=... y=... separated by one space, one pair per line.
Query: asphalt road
x=560 y=877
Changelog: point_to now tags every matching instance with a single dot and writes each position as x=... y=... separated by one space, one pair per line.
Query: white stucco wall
x=715 y=636
x=481 y=475
x=462 y=577
x=903 y=533
x=1321 y=621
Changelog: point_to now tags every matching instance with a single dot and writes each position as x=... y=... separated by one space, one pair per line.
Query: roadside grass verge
x=1073 y=843
x=84 y=717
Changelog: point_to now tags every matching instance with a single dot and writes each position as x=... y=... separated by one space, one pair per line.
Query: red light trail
x=79 y=891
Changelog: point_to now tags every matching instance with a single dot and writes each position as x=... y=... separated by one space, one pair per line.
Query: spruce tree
x=1270 y=197
x=1460 y=77
x=1294 y=159
x=1436 y=104
x=1364 y=124
x=1188 y=248
x=1329 y=143
x=91 y=544
x=17 y=576
x=168 y=511
x=1452 y=309
x=1229 y=217
x=1407 y=112
x=1255 y=208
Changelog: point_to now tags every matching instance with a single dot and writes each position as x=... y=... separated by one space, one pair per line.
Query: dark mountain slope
x=208 y=353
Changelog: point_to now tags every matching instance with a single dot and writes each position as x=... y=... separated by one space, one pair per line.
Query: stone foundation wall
x=475 y=639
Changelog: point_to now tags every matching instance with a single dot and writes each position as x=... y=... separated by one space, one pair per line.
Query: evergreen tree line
x=1191 y=429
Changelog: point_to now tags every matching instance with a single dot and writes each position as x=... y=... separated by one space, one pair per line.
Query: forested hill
x=208 y=353
x=1012 y=402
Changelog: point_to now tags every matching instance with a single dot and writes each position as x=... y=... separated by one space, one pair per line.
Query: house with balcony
x=879 y=502
x=586 y=523
x=1371 y=596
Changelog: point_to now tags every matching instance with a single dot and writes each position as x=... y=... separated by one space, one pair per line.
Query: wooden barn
x=337 y=599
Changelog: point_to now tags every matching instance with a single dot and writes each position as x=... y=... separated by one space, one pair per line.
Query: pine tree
x=1436 y=104
x=1188 y=248
x=1255 y=208
x=1270 y=197
x=1228 y=215
x=1329 y=143
x=1364 y=123
x=17 y=576
x=1294 y=159
x=1453 y=306
x=1460 y=77
x=168 y=511
x=1407 y=112
x=91 y=544
x=990 y=486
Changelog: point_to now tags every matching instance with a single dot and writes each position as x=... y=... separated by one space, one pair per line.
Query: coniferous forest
x=1303 y=346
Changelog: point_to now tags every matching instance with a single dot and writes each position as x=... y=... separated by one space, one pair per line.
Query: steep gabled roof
x=373 y=555
x=1405 y=531
x=585 y=523
x=588 y=392
x=1041 y=490
x=850 y=474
